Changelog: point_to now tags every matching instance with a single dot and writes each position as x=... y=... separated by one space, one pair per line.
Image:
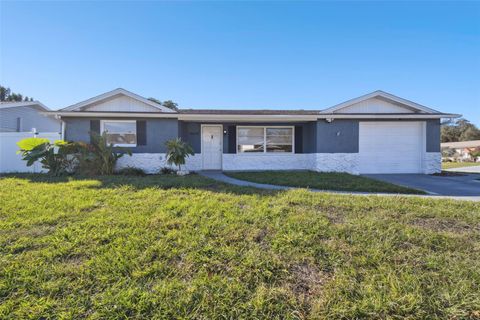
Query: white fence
x=10 y=161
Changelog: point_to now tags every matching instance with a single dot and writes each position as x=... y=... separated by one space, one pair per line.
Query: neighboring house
x=26 y=116
x=20 y=120
x=374 y=133
x=462 y=148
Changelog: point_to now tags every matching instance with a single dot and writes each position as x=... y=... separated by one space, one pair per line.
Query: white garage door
x=391 y=147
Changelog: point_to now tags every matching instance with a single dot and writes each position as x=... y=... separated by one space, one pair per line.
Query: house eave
x=389 y=116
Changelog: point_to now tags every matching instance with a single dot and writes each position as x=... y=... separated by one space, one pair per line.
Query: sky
x=282 y=55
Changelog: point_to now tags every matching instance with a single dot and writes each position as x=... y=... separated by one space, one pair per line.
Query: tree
x=170 y=104
x=167 y=103
x=155 y=100
x=460 y=130
x=7 y=95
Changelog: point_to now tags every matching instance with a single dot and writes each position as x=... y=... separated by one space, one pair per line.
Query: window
x=120 y=133
x=279 y=139
x=265 y=140
x=250 y=140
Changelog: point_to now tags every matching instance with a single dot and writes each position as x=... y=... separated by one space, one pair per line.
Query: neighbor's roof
x=461 y=144
x=12 y=104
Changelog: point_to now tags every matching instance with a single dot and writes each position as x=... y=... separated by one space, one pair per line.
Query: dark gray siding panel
x=190 y=133
x=158 y=131
x=433 y=136
x=339 y=136
x=309 y=137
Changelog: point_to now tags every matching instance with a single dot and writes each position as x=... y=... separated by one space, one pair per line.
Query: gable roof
x=14 y=104
x=385 y=96
x=112 y=94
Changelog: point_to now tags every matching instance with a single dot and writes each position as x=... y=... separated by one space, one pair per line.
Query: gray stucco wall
x=158 y=131
x=339 y=136
x=29 y=118
x=433 y=136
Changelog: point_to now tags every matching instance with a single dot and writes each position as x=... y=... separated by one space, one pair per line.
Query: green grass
x=169 y=247
x=451 y=165
x=322 y=181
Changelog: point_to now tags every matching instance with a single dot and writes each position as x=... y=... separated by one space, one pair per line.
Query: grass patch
x=322 y=181
x=169 y=247
x=452 y=165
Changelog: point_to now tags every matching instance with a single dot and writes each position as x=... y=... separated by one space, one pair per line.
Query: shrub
x=131 y=171
x=99 y=157
x=167 y=170
x=177 y=152
x=57 y=157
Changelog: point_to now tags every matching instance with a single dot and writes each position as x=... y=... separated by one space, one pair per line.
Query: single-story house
x=462 y=148
x=27 y=116
x=20 y=120
x=374 y=133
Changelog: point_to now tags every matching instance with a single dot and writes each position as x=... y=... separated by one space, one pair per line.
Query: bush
x=99 y=157
x=177 y=152
x=57 y=157
x=131 y=171
x=167 y=170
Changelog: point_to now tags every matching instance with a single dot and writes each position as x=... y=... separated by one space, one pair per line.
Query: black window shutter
x=232 y=139
x=298 y=139
x=141 y=133
x=95 y=126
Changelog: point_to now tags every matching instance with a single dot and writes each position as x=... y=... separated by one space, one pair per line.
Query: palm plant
x=177 y=152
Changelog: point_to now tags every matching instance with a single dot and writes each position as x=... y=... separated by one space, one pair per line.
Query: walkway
x=219 y=176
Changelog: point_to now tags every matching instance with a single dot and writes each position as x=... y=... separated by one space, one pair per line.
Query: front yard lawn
x=322 y=181
x=169 y=247
x=451 y=165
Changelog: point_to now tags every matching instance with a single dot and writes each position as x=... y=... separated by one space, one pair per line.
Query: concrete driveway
x=461 y=186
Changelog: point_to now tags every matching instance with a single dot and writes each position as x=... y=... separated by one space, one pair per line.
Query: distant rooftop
x=461 y=144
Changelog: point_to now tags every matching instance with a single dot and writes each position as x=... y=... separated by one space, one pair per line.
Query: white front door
x=212 y=147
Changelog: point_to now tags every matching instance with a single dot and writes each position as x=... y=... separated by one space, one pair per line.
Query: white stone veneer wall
x=326 y=162
x=432 y=162
x=233 y=162
x=337 y=162
x=154 y=162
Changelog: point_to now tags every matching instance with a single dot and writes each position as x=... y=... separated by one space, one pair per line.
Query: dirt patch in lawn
x=308 y=280
x=445 y=225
